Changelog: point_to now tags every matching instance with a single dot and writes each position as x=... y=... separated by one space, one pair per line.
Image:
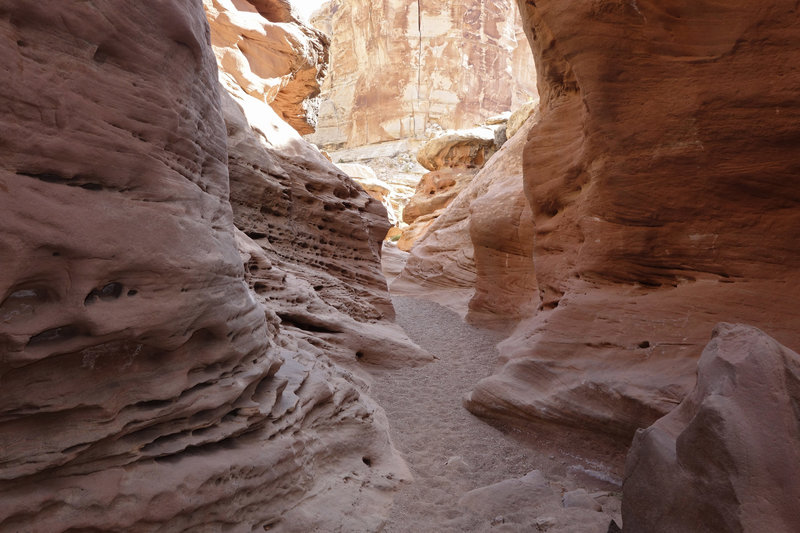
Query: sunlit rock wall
x=401 y=68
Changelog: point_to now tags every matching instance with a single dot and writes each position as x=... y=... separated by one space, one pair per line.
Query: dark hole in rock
x=359 y=354
x=109 y=291
x=100 y=55
x=255 y=235
x=644 y=344
x=92 y=186
x=133 y=292
x=22 y=43
x=367 y=461
x=52 y=335
x=56 y=254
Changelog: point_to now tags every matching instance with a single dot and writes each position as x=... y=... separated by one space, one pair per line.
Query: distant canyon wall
x=189 y=291
x=402 y=68
x=662 y=178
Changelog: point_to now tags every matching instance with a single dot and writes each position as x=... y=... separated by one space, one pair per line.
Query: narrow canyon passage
x=451 y=452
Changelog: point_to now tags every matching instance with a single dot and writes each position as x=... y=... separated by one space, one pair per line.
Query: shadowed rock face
x=401 y=68
x=149 y=381
x=727 y=459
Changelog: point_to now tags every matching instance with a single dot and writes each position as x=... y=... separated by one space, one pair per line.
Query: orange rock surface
x=402 y=68
x=662 y=178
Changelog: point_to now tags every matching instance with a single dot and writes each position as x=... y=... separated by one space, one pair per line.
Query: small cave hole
x=367 y=461
x=100 y=55
x=21 y=43
x=644 y=344
x=359 y=354
x=133 y=292
x=56 y=254
x=54 y=335
x=109 y=291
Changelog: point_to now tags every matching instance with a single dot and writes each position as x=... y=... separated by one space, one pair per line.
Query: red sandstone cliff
x=663 y=200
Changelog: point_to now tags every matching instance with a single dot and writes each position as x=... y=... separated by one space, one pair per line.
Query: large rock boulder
x=402 y=68
x=656 y=214
x=469 y=148
x=727 y=459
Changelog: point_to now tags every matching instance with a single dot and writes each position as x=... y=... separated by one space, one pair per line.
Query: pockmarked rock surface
x=402 y=68
x=655 y=215
x=156 y=370
x=726 y=459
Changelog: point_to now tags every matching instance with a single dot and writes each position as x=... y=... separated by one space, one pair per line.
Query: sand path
x=451 y=452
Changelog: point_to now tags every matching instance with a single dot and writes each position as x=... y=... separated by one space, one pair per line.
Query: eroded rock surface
x=658 y=214
x=476 y=257
x=728 y=458
x=149 y=381
x=402 y=68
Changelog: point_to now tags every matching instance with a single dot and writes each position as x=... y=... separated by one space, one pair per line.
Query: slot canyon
x=400 y=266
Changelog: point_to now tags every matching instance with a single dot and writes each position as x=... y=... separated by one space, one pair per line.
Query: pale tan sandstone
x=520 y=116
x=469 y=148
x=728 y=458
x=656 y=215
x=402 y=68
x=148 y=382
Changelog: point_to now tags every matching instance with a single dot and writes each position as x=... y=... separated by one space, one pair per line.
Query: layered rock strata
x=149 y=381
x=726 y=459
x=656 y=215
x=402 y=68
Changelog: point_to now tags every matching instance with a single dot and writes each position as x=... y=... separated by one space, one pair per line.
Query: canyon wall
x=161 y=368
x=404 y=68
x=663 y=201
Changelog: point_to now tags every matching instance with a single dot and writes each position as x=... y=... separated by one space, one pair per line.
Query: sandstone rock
x=520 y=116
x=149 y=381
x=261 y=49
x=392 y=198
x=656 y=214
x=728 y=458
x=529 y=503
x=469 y=148
x=402 y=68
x=435 y=191
x=580 y=498
x=477 y=257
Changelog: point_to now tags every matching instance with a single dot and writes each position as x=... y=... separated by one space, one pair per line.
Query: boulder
x=520 y=116
x=469 y=148
x=728 y=457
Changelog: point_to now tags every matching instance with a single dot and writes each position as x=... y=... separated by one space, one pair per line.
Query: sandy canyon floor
x=472 y=476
